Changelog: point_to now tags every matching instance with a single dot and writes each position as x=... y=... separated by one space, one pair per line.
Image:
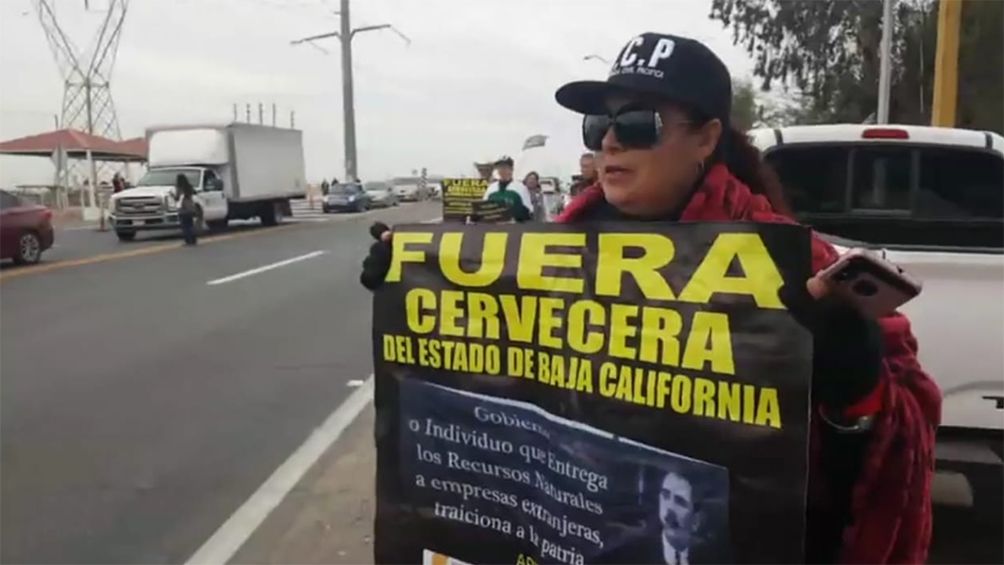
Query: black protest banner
x=459 y=196
x=619 y=393
x=490 y=212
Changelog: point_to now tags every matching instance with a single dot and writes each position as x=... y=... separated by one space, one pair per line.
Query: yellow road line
x=104 y=257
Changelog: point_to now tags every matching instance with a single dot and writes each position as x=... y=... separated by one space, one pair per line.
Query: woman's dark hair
x=535 y=175
x=745 y=162
x=182 y=184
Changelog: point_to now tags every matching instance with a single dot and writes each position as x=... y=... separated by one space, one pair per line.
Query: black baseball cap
x=504 y=160
x=666 y=67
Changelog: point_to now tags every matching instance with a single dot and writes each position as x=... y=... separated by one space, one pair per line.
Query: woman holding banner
x=660 y=124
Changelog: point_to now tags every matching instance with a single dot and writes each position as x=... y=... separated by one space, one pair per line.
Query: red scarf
x=891 y=501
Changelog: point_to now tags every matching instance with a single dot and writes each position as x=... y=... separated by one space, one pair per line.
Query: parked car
x=933 y=200
x=25 y=229
x=381 y=194
x=410 y=189
x=347 y=197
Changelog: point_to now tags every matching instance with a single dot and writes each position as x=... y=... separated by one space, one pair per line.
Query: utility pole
x=345 y=34
x=348 y=96
x=946 y=64
x=885 y=65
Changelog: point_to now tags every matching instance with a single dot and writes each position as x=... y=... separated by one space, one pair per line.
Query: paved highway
x=142 y=405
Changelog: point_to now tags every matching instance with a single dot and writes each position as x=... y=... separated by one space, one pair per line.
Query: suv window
x=896 y=194
x=814 y=178
x=960 y=184
x=881 y=178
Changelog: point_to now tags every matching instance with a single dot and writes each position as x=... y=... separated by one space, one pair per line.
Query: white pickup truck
x=933 y=199
x=238 y=171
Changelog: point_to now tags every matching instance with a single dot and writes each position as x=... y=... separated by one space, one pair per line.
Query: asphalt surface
x=142 y=406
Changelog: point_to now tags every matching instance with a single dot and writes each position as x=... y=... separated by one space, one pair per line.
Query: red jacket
x=891 y=500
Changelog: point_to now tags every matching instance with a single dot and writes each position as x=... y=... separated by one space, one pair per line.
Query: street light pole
x=345 y=36
x=885 y=65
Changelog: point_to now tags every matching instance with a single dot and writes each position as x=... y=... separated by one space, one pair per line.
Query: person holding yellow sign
x=661 y=129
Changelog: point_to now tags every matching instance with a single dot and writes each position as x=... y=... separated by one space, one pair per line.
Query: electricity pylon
x=87 y=98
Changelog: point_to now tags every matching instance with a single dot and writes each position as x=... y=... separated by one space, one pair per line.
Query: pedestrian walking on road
x=668 y=152
x=118 y=183
x=187 y=210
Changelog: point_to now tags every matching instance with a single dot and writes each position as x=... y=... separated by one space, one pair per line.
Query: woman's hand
x=377 y=263
x=847 y=345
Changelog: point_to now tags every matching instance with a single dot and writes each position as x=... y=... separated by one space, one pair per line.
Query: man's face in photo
x=676 y=510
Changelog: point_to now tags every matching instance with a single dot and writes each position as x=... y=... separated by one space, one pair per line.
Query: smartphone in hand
x=875 y=286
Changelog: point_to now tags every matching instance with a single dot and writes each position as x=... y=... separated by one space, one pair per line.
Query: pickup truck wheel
x=361 y=207
x=29 y=249
x=125 y=235
x=218 y=225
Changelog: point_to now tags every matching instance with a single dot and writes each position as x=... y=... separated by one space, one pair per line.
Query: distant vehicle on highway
x=381 y=194
x=239 y=171
x=933 y=200
x=410 y=189
x=347 y=197
x=25 y=229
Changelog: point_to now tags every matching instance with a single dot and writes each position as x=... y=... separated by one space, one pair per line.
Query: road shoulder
x=328 y=516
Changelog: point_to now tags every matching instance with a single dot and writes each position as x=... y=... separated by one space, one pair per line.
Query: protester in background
x=668 y=153
x=118 y=184
x=187 y=210
x=510 y=192
x=325 y=187
x=532 y=183
x=587 y=174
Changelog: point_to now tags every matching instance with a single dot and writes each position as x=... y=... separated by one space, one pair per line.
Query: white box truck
x=239 y=171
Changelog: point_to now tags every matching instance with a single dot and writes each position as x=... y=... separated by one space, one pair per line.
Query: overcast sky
x=477 y=79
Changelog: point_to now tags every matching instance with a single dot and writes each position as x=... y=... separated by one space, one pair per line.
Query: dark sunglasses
x=635 y=129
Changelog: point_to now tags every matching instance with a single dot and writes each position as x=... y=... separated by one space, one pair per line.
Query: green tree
x=829 y=51
x=745 y=106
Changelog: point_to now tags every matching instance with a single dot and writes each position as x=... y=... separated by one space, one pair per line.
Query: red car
x=25 y=229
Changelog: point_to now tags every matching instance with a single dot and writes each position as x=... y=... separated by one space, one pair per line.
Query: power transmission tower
x=345 y=35
x=87 y=98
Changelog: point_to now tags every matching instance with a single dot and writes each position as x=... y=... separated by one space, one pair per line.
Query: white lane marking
x=433 y=221
x=264 y=268
x=308 y=219
x=79 y=228
x=355 y=383
x=229 y=538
